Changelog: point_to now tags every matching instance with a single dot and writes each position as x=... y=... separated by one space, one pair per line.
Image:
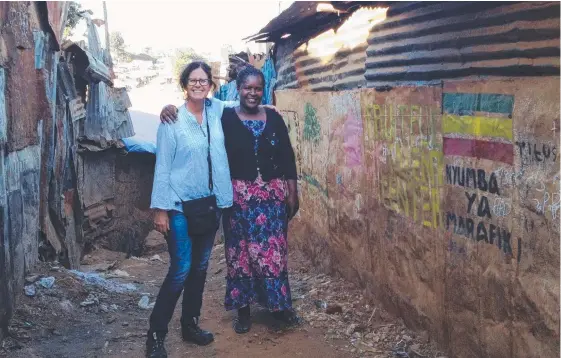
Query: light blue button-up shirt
x=181 y=159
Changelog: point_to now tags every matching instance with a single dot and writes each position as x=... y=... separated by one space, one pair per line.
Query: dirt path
x=77 y=319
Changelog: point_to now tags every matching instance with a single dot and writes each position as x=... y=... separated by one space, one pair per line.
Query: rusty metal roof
x=302 y=20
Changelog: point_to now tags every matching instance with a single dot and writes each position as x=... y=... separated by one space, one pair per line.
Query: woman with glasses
x=263 y=172
x=190 y=166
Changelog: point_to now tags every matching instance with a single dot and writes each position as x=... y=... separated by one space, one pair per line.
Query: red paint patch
x=499 y=152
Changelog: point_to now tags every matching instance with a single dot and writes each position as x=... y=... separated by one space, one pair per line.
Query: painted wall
x=443 y=202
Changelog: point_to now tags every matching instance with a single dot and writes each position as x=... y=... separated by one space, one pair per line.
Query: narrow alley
x=412 y=167
x=101 y=315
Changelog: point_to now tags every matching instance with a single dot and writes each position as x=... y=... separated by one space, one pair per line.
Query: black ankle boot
x=191 y=332
x=242 y=323
x=155 y=345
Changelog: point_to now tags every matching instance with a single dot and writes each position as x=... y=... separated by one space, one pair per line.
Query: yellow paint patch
x=477 y=126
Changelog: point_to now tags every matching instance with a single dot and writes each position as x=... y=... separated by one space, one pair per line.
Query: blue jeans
x=187 y=272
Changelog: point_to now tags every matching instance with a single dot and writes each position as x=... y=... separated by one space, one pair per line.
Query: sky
x=204 y=26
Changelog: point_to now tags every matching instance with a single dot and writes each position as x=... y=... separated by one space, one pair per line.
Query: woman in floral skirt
x=263 y=171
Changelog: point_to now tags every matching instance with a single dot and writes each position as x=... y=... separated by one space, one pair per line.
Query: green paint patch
x=314 y=182
x=312 y=129
x=467 y=104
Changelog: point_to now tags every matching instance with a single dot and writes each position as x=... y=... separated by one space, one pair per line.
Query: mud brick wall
x=116 y=194
x=441 y=201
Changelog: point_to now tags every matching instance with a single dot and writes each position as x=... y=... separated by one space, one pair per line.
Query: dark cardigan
x=275 y=156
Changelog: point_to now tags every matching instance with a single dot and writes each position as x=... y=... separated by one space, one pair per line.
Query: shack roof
x=303 y=20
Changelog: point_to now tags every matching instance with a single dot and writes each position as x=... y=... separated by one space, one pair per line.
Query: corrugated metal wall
x=425 y=42
x=433 y=41
x=300 y=70
x=333 y=60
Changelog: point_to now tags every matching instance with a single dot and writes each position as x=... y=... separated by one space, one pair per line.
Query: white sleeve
x=162 y=195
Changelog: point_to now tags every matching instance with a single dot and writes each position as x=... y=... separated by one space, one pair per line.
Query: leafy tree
x=118 y=47
x=182 y=57
x=72 y=18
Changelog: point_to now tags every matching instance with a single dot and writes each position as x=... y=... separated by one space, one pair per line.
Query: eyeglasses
x=202 y=82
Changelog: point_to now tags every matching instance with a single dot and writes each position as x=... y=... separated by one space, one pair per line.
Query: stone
x=154 y=243
x=89 y=301
x=30 y=291
x=320 y=304
x=31 y=279
x=145 y=304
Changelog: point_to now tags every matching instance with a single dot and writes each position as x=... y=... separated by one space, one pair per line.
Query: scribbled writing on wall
x=533 y=152
x=411 y=180
x=548 y=202
x=482 y=201
x=478 y=125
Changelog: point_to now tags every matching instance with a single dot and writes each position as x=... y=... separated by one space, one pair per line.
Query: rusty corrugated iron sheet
x=34 y=145
x=423 y=43
x=302 y=20
x=333 y=60
x=107 y=117
x=459 y=39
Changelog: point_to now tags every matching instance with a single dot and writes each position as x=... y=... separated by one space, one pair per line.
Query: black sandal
x=242 y=323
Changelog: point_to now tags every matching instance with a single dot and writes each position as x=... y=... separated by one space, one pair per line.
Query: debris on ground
x=47 y=282
x=341 y=309
x=90 y=301
x=82 y=311
x=31 y=279
x=95 y=279
x=156 y=258
x=30 y=291
x=117 y=274
x=100 y=267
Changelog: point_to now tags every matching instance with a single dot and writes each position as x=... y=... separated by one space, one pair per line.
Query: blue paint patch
x=339 y=179
x=39 y=38
x=3 y=115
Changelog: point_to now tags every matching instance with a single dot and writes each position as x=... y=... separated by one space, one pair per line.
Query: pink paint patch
x=352 y=135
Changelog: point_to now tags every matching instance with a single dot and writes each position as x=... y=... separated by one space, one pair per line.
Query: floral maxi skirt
x=255 y=230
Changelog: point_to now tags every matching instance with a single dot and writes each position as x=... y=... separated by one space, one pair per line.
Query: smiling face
x=198 y=85
x=251 y=92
